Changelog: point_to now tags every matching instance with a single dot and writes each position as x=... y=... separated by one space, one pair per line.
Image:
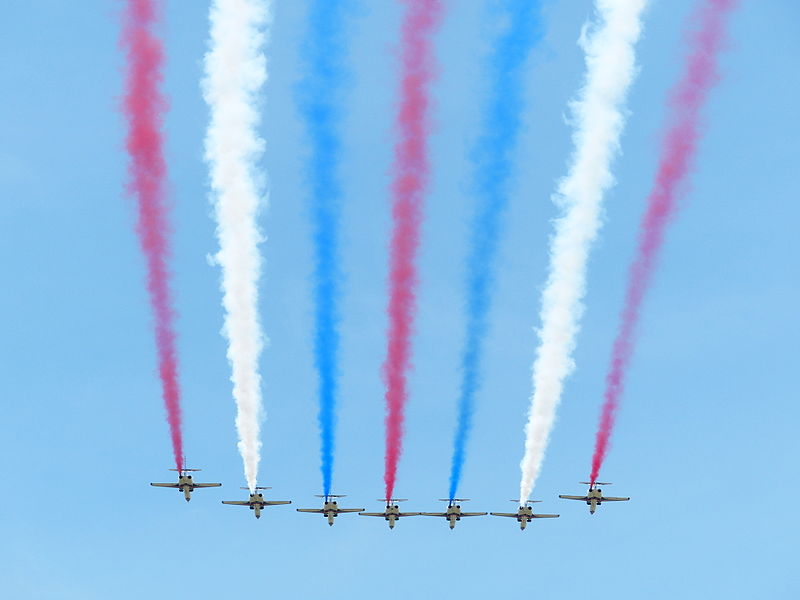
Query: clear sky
x=705 y=443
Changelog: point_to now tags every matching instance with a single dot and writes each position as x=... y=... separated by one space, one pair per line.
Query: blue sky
x=705 y=439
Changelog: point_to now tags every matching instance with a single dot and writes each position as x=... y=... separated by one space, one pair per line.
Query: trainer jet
x=330 y=508
x=594 y=497
x=453 y=512
x=256 y=501
x=525 y=514
x=392 y=512
x=185 y=483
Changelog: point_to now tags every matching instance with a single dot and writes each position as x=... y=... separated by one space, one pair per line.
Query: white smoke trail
x=235 y=69
x=598 y=117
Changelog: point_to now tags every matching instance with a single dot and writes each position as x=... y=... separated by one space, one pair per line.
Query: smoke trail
x=677 y=154
x=144 y=106
x=235 y=71
x=598 y=116
x=319 y=103
x=492 y=162
x=410 y=175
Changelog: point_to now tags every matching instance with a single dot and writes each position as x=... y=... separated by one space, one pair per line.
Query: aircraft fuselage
x=453 y=515
x=186 y=485
x=524 y=516
x=594 y=499
x=331 y=510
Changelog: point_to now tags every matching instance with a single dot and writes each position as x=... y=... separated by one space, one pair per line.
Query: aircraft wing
x=276 y=502
x=584 y=498
x=236 y=502
x=202 y=485
x=349 y=510
x=433 y=514
x=545 y=516
x=613 y=499
x=310 y=510
x=408 y=514
x=167 y=485
x=372 y=514
x=463 y=514
x=504 y=514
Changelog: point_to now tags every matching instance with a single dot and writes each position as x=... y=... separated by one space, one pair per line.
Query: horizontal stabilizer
x=453 y=499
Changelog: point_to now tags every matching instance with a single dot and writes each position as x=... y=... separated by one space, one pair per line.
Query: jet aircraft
x=525 y=514
x=330 y=508
x=256 y=501
x=185 y=483
x=392 y=512
x=453 y=512
x=594 y=497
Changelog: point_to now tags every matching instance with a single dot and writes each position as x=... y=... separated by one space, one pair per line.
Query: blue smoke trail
x=492 y=163
x=318 y=98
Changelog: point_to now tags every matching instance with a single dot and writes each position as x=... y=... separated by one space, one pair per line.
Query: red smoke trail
x=144 y=106
x=677 y=154
x=410 y=174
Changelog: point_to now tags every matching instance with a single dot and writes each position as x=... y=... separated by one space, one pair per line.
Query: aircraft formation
x=391 y=512
x=235 y=70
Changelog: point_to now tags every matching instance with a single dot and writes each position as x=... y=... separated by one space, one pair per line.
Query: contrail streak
x=410 y=176
x=144 y=107
x=677 y=156
x=319 y=98
x=493 y=164
x=598 y=117
x=235 y=70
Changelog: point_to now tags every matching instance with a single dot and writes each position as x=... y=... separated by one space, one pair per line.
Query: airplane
x=453 y=512
x=330 y=508
x=392 y=512
x=185 y=483
x=256 y=501
x=594 y=497
x=525 y=514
